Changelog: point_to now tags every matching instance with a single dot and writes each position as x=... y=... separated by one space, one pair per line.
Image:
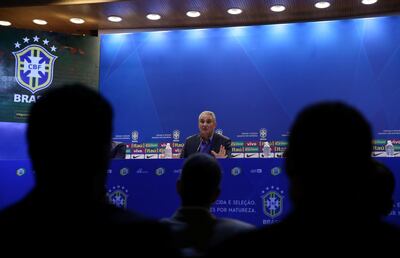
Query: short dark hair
x=69 y=124
x=200 y=179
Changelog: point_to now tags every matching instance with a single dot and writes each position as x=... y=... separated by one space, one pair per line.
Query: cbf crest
x=34 y=65
x=272 y=201
x=118 y=196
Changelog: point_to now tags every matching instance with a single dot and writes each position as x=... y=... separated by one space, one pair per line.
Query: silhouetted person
x=196 y=228
x=69 y=137
x=330 y=169
x=118 y=150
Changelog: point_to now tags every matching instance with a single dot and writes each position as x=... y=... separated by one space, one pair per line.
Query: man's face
x=206 y=125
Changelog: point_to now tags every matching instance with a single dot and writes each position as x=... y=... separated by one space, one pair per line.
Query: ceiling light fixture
x=40 y=22
x=278 y=8
x=234 y=11
x=77 y=20
x=368 y=2
x=5 y=23
x=114 y=18
x=322 y=5
x=153 y=16
x=193 y=14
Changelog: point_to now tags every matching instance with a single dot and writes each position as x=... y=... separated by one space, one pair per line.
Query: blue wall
x=252 y=77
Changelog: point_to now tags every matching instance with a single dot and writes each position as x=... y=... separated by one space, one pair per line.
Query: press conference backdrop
x=256 y=79
x=253 y=190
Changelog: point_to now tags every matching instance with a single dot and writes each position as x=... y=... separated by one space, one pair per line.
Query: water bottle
x=266 y=150
x=168 y=152
x=389 y=148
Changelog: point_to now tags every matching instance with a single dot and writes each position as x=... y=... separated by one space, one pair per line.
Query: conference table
x=253 y=190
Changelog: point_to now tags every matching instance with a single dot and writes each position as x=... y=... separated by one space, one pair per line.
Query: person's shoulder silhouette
x=196 y=228
x=329 y=167
x=69 y=137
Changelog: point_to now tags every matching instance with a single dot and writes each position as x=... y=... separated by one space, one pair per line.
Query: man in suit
x=207 y=141
x=195 y=228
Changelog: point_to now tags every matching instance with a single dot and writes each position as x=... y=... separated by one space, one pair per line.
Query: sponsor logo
x=237 y=155
x=151 y=156
x=252 y=155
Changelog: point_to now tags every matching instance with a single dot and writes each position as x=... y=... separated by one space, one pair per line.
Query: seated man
x=118 y=150
x=207 y=141
x=195 y=228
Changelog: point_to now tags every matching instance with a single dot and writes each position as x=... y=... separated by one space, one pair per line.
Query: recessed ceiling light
x=369 y=1
x=278 y=8
x=77 y=20
x=114 y=18
x=40 y=22
x=153 y=16
x=193 y=14
x=322 y=5
x=235 y=11
x=5 y=23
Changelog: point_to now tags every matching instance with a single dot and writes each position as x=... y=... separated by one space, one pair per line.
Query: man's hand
x=221 y=154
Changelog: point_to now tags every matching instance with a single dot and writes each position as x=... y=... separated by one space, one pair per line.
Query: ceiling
x=173 y=12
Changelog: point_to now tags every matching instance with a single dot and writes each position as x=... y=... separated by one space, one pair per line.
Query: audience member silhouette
x=69 y=137
x=195 y=227
x=329 y=167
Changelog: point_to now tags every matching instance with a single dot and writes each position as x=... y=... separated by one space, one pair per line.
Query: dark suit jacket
x=192 y=144
x=118 y=150
x=196 y=230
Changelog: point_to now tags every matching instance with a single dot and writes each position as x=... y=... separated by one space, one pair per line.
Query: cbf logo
x=263 y=133
x=176 y=134
x=135 y=136
x=34 y=65
x=20 y=172
x=124 y=171
x=118 y=196
x=160 y=171
x=236 y=171
x=272 y=201
x=219 y=131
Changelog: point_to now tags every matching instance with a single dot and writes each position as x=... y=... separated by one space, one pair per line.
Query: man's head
x=329 y=156
x=199 y=181
x=207 y=124
x=69 y=137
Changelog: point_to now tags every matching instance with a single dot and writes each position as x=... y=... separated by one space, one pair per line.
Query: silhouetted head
x=329 y=157
x=199 y=181
x=69 y=137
